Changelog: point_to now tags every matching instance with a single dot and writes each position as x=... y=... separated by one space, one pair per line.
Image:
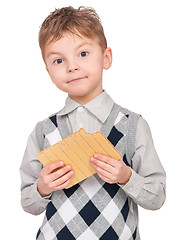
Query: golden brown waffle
x=76 y=150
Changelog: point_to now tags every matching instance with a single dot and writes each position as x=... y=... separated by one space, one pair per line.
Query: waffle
x=76 y=150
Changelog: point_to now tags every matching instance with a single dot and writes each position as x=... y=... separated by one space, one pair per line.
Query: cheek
x=96 y=71
x=55 y=76
x=97 y=66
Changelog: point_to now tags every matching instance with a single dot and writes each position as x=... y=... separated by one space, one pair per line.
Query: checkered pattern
x=92 y=209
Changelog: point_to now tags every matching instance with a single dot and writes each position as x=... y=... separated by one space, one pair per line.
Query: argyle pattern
x=92 y=209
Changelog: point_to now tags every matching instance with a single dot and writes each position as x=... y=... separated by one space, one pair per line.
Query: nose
x=72 y=66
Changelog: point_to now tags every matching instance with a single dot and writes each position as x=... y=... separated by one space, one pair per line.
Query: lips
x=76 y=79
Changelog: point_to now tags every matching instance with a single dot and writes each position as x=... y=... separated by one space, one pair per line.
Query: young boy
x=103 y=206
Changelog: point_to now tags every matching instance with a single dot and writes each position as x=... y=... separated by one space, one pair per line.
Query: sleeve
x=147 y=185
x=31 y=201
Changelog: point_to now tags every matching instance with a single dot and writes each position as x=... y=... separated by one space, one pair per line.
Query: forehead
x=70 y=41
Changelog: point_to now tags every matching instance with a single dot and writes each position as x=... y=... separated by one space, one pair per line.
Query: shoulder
x=141 y=123
x=127 y=112
x=47 y=121
x=138 y=126
x=132 y=117
x=128 y=120
x=143 y=132
x=45 y=127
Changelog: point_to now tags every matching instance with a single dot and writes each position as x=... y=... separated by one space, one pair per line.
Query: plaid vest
x=92 y=209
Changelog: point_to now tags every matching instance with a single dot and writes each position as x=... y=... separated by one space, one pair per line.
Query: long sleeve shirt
x=147 y=183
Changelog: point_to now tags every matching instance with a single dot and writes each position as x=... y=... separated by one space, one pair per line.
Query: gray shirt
x=147 y=182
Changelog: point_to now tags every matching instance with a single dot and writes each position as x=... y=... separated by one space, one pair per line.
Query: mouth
x=75 y=80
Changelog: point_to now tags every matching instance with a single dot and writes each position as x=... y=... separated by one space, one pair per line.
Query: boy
x=104 y=206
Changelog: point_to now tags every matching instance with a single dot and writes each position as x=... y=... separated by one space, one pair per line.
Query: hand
x=111 y=170
x=54 y=177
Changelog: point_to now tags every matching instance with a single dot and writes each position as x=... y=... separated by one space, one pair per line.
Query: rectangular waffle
x=76 y=150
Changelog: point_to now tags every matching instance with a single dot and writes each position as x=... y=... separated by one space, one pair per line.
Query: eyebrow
x=83 y=44
x=53 y=53
x=77 y=47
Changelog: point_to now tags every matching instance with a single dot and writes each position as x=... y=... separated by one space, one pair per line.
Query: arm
x=38 y=183
x=31 y=200
x=145 y=183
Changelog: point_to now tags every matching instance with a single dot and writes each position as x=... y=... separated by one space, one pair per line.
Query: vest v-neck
x=65 y=129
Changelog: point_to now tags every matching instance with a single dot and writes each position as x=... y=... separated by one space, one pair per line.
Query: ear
x=107 y=58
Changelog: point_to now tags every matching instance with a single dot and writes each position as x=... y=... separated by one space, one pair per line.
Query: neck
x=82 y=100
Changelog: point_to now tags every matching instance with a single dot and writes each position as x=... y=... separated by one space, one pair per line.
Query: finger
x=64 y=185
x=102 y=171
x=59 y=173
x=105 y=178
x=60 y=181
x=102 y=165
x=106 y=159
x=48 y=169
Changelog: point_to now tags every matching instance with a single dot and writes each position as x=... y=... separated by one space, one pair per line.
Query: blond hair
x=83 y=21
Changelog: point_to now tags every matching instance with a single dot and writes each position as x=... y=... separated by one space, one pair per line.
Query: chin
x=80 y=93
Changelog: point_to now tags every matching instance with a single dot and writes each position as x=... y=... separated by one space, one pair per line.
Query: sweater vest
x=92 y=209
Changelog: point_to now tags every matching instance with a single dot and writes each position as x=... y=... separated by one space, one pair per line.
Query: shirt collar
x=70 y=105
x=100 y=106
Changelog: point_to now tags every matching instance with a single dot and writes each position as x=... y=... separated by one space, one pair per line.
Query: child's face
x=75 y=65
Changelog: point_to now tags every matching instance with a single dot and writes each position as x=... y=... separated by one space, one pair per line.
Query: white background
x=141 y=36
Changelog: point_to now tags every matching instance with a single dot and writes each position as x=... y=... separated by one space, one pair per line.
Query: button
x=80 y=109
x=81 y=125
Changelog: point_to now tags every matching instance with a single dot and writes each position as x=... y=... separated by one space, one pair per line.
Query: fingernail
x=61 y=163
x=92 y=159
x=95 y=155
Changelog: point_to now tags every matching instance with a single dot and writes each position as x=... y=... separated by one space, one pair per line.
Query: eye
x=58 y=61
x=83 y=54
